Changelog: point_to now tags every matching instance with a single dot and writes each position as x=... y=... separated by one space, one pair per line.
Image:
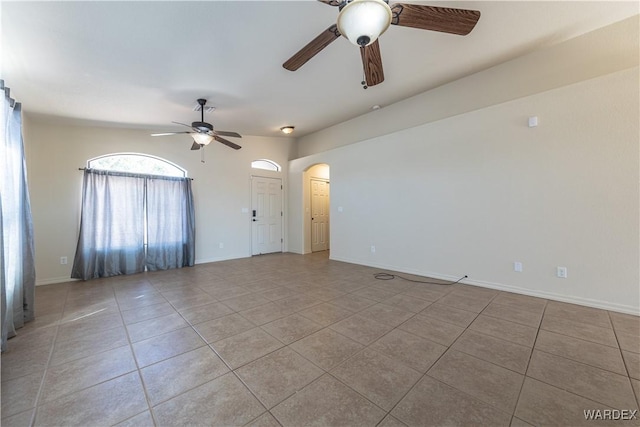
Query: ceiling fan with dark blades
x=363 y=21
x=203 y=133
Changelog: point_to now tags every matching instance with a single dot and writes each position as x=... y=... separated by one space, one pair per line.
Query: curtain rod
x=82 y=169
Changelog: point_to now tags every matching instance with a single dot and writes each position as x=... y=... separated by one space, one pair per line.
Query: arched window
x=266 y=164
x=136 y=163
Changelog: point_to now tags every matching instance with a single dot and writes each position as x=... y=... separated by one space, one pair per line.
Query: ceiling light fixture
x=202 y=138
x=287 y=129
x=362 y=21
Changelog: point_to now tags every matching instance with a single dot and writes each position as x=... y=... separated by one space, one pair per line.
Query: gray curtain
x=118 y=209
x=170 y=223
x=111 y=240
x=17 y=268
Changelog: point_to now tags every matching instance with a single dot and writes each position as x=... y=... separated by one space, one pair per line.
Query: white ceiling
x=143 y=64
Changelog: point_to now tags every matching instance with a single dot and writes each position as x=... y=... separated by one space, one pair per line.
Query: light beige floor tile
x=353 y=302
x=245 y=302
x=143 y=419
x=88 y=325
x=266 y=313
x=18 y=363
x=142 y=299
x=148 y=312
x=87 y=345
x=227 y=292
x=375 y=293
x=18 y=420
x=178 y=374
x=291 y=328
x=277 y=293
x=326 y=348
x=428 y=293
x=434 y=403
x=166 y=345
x=590 y=353
x=409 y=349
x=221 y=402
x=365 y=331
x=377 y=377
x=503 y=353
x=19 y=394
x=200 y=314
x=464 y=302
x=297 y=302
x=448 y=314
x=386 y=314
x=577 y=313
x=625 y=323
x=512 y=314
x=503 y=329
x=545 y=405
x=246 y=347
x=629 y=342
x=432 y=329
x=156 y=326
x=278 y=375
x=223 y=327
x=632 y=362
x=325 y=314
x=104 y=404
x=72 y=376
x=485 y=381
x=580 y=330
x=522 y=302
x=327 y=402
x=391 y=421
x=592 y=383
x=264 y=420
x=409 y=303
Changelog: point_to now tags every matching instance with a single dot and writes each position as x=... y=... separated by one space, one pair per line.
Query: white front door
x=319 y=215
x=266 y=215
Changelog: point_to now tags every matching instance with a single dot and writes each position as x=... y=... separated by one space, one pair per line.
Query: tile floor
x=301 y=340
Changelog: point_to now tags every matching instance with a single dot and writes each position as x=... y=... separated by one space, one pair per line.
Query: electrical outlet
x=517 y=266
x=373 y=249
x=562 y=272
x=63 y=260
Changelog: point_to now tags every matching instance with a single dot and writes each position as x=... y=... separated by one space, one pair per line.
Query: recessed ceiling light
x=287 y=129
x=375 y=107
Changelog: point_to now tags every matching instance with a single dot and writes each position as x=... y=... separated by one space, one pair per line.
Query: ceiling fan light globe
x=202 y=138
x=363 y=21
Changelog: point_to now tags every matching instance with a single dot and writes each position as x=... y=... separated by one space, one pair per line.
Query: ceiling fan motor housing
x=203 y=126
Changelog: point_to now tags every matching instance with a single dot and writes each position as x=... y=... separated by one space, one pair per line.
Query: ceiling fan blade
x=168 y=133
x=183 y=124
x=227 y=133
x=195 y=146
x=312 y=48
x=443 y=19
x=372 y=64
x=227 y=143
x=331 y=2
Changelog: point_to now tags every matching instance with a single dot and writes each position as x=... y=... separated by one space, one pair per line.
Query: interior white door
x=319 y=215
x=266 y=215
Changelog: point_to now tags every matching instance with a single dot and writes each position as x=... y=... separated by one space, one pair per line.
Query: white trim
x=55 y=280
x=620 y=308
x=208 y=260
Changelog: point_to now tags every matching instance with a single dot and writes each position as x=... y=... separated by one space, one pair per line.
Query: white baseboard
x=54 y=280
x=605 y=305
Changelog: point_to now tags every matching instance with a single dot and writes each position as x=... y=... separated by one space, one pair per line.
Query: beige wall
x=473 y=193
x=221 y=186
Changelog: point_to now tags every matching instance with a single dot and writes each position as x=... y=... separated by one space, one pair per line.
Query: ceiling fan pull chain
x=202 y=155
x=364 y=81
